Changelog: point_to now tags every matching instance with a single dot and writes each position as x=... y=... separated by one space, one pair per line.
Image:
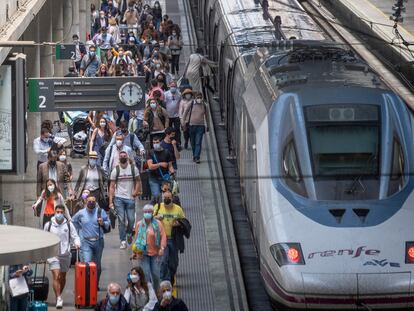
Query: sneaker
x=123 y=245
x=197 y=161
x=59 y=303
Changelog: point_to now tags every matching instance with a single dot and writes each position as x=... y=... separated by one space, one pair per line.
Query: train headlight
x=288 y=254
x=409 y=252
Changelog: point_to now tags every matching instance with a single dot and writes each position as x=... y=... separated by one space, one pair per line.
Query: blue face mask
x=92 y=162
x=59 y=217
x=114 y=299
x=147 y=216
x=173 y=89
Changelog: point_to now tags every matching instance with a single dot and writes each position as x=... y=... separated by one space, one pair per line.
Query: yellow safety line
x=174 y=292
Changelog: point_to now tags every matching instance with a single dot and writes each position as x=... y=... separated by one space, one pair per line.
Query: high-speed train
x=325 y=154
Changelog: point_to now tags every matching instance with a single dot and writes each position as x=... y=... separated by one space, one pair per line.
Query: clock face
x=130 y=93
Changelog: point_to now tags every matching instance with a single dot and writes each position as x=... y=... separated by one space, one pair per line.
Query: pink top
x=152 y=249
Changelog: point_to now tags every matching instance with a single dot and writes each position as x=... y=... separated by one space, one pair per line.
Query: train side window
x=291 y=170
x=397 y=178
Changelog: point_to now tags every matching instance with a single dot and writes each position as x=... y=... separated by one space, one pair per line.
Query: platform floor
x=209 y=275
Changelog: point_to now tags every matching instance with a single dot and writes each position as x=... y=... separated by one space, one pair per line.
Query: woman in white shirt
x=139 y=293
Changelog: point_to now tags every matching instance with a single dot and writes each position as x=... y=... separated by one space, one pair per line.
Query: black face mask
x=167 y=201
x=123 y=160
x=91 y=205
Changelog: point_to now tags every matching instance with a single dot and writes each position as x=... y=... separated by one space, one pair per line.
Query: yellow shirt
x=168 y=216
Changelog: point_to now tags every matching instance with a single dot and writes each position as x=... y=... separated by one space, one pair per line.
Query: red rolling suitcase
x=86 y=284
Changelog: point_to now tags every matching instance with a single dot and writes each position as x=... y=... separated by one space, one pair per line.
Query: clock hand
x=130 y=90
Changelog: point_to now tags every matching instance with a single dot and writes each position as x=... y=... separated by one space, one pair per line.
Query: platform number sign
x=67 y=51
x=37 y=102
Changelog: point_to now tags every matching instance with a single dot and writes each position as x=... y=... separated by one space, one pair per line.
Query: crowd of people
x=130 y=155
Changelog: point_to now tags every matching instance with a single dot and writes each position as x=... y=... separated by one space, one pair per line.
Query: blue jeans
x=125 y=206
x=92 y=251
x=196 y=138
x=155 y=185
x=169 y=262
x=151 y=267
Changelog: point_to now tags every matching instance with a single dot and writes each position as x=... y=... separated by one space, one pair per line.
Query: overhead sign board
x=101 y=93
x=66 y=51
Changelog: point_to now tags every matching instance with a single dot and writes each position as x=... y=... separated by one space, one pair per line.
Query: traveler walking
x=159 y=163
x=114 y=300
x=169 y=143
x=167 y=301
x=90 y=63
x=125 y=187
x=195 y=119
x=150 y=243
x=51 y=170
x=185 y=103
x=112 y=153
x=47 y=201
x=168 y=213
x=92 y=178
x=92 y=223
x=139 y=294
x=43 y=143
x=172 y=104
x=60 y=264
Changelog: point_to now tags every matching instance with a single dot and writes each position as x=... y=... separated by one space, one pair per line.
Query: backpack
x=105 y=230
x=118 y=171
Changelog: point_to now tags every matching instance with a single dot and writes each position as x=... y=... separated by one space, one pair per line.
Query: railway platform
x=209 y=275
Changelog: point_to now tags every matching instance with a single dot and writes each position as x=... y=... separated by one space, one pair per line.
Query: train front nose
x=377 y=290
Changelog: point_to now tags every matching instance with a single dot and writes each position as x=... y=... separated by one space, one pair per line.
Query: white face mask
x=62 y=158
x=167 y=295
x=134 y=278
x=51 y=188
x=102 y=124
x=119 y=143
x=153 y=105
x=188 y=96
x=199 y=100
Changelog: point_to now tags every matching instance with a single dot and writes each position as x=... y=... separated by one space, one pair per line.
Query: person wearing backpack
x=160 y=166
x=124 y=188
x=92 y=223
x=60 y=264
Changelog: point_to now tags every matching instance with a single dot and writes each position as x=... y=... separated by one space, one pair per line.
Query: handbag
x=38 y=208
x=187 y=124
x=18 y=286
x=167 y=176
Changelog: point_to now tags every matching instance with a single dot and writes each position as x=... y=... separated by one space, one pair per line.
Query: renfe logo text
x=346 y=252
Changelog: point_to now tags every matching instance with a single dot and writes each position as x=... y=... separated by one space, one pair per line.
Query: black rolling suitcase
x=39 y=285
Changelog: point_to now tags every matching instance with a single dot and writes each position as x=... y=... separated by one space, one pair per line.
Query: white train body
x=325 y=155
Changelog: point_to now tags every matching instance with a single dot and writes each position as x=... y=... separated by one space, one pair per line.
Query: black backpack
x=105 y=230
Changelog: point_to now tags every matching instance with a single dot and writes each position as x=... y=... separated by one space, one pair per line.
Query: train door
x=207 y=34
x=221 y=80
x=230 y=111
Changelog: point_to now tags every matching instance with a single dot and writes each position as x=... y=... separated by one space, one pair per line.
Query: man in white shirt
x=112 y=153
x=60 y=264
x=42 y=144
x=125 y=187
x=172 y=104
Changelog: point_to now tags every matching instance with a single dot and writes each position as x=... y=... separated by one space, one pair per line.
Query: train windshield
x=344 y=141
